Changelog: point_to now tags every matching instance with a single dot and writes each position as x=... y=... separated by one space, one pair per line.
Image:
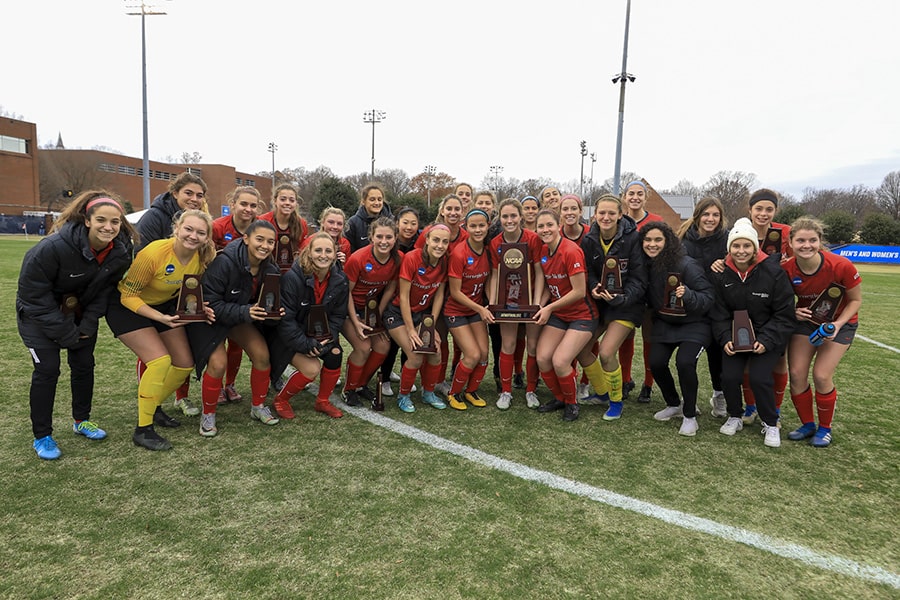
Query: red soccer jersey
x=424 y=280
x=648 y=218
x=343 y=245
x=224 y=232
x=369 y=277
x=786 y=249
x=527 y=237
x=584 y=229
x=558 y=267
x=472 y=269
x=284 y=262
x=834 y=269
x=460 y=238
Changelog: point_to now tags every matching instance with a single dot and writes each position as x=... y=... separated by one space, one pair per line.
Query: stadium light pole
x=272 y=148
x=145 y=10
x=374 y=116
x=430 y=170
x=496 y=170
x=591 y=185
x=621 y=79
x=584 y=153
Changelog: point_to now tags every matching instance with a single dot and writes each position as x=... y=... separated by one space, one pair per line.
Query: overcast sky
x=800 y=92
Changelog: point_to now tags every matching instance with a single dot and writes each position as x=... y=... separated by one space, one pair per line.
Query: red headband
x=440 y=225
x=103 y=200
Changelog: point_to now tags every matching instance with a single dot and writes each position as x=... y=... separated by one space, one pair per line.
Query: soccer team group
x=526 y=283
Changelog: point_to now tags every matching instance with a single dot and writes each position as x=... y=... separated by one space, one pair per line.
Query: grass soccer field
x=448 y=504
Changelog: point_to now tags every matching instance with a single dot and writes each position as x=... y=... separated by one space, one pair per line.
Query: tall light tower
x=430 y=170
x=496 y=170
x=272 y=148
x=622 y=78
x=581 y=179
x=374 y=116
x=145 y=9
x=591 y=186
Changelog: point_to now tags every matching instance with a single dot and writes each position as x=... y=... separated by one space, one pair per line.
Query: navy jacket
x=626 y=247
x=60 y=264
x=698 y=299
x=156 y=223
x=358 y=226
x=706 y=250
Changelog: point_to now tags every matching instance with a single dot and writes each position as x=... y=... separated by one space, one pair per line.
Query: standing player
x=372 y=205
x=290 y=228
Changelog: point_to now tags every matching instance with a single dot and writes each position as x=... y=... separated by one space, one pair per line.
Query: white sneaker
x=773 y=437
x=717 y=402
x=668 y=412
x=208 y=425
x=386 y=389
x=313 y=388
x=583 y=391
x=413 y=389
x=689 y=427
x=263 y=414
x=504 y=400
x=731 y=426
x=187 y=407
x=531 y=400
x=394 y=377
x=442 y=389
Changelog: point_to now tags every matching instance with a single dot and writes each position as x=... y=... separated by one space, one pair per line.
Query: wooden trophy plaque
x=372 y=317
x=70 y=305
x=378 y=402
x=426 y=334
x=824 y=308
x=672 y=304
x=284 y=252
x=742 y=337
x=190 y=300
x=270 y=295
x=514 y=286
x=772 y=242
x=611 y=278
x=317 y=324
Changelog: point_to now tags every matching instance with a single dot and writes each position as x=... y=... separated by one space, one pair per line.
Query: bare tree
x=436 y=186
x=10 y=114
x=732 y=188
x=72 y=170
x=888 y=194
x=685 y=188
x=858 y=201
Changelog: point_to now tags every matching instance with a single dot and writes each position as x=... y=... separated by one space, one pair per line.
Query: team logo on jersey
x=421 y=270
x=544 y=259
x=796 y=280
x=369 y=267
x=470 y=261
x=228 y=237
x=170 y=268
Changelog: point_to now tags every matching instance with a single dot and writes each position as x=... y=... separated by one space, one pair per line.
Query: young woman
x=244 y=202
x=812 y=271
x=755 y=283
x=704 y=237
x=290 y=228
x=550 y=198
x=613 y=236
x=231 y=286
x=512 y=233
x=315 y=281
x=420 y=293
x=331 y=222
x=143 y=318
x=466 y=312
x=465 y=193
x=688 y=331
x=64 y=286
x=372 y=273
x=530 y=209
x=371 y=207
x=569 y=316
x=571 y=213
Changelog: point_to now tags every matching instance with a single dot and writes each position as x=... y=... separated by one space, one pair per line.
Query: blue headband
x=477 y=211
x=636 y=182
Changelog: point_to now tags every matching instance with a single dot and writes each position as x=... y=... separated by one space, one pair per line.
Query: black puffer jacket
x=297 y=295
x=626 y=247
x=60 y=264
x=705 y=250
x=766 y=294
x=698 y=299
x=227 y=286
x=156 y=223
x=358 y=226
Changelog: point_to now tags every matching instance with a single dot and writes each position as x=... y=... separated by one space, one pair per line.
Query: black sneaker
x=571 y=412
x=149 y=439
x=644 y=396
x=519 y=381
x=627 y=387
x=551 y=406
x=351 y=398
x=163 y=420
x=367 y=394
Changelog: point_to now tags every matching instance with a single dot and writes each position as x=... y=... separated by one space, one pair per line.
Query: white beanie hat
x=743 y=230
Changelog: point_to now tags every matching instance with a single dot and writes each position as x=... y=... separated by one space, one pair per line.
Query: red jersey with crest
x=369 y=277
x=461 y=237
x=224 y=232
x=648 y=218
x=558 y=267
x=527 y=237
x=834 y=269
x=285 y=261
x=584 y=229
x=343 y=245
x=473 y=269
x=424 y=280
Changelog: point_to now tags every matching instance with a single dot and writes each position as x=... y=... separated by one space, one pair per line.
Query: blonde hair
x=207 y=251
x=305 y=258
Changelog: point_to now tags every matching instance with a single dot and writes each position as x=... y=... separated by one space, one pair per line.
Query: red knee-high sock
x=407 y=379
x=825 y=405
x=327 y=380
x=445 y=358
x=431 y=374
x=506 y=371
x=626 y=357
x=461 y=376
x=294 y=386
x=476 y=377
x=749 y=398
x=141 y=367
x=210 y=393
x=781 y=380
x=518 y=354
x=567 y=387
x=552 y=383
x=803 y=404
x=235 y=353
x=373 y=363
x=532 y=373
x=182 y=392
x=259 y=385
x=648 y=375
x=354 y=375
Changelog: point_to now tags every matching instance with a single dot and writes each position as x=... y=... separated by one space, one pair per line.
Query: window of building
x=13 y=144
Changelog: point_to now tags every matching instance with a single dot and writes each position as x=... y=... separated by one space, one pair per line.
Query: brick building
x=19 y=173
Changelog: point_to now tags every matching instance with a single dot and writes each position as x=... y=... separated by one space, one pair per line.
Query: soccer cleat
x=366 y=394
x=749 y=414
x=570 y=413
x=88 y=429
x=731 y=426
x=163 y=420
x=283 y=408
x=431 y=399
x=773 y=436
x=689 y=427
x=222 y=399
x=807 y=430
x=627 y=388
x=394 y=377
x=551 y=406
x=262 y=414
x=668 y=412
x=386 y=389
x=442 y=389
x=351 y=398
x=717 y=403
x=613 y=412
x=822 y=439
x=326 y=407
x=504 y=400
x=531 y=400
x=231 y=394
x=208 y=425
x=46 y=448
x=474 y=399
x=582 y=391
x=519 y=381
x=644 y=396
x=146 y=437
x=189 y=408
x=404 y=403
x=456 y=403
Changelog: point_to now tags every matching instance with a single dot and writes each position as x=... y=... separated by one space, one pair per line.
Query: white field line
x=879 y=344
x=829 y=562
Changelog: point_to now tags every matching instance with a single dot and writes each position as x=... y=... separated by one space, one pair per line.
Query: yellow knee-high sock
x=614 y=378
x=150 y=389
x=173 y=380
x=597 y=378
